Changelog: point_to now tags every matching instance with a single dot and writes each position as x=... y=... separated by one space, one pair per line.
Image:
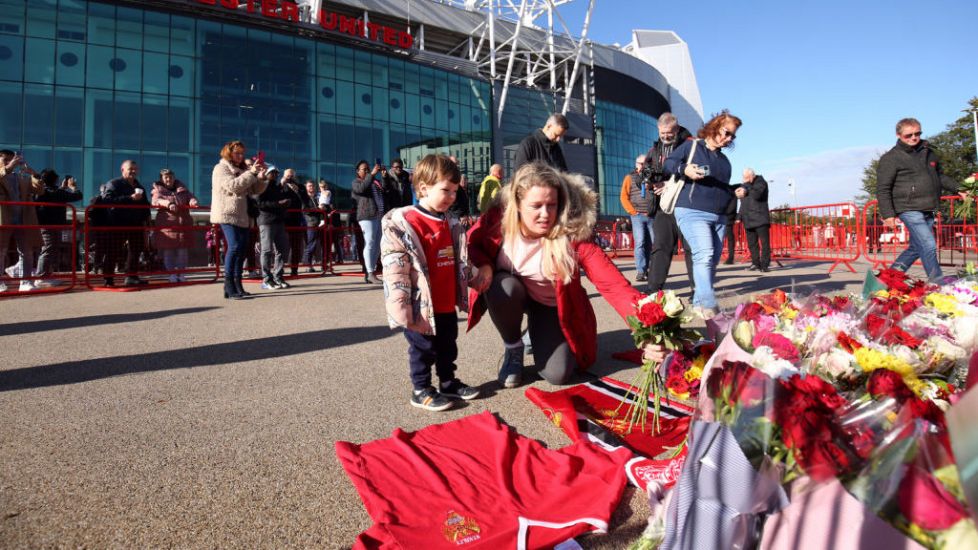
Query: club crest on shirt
x=447 y=252
x=459 y=529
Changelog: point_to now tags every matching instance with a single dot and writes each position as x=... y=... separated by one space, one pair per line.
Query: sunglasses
x=727 y=133
x=908 y=136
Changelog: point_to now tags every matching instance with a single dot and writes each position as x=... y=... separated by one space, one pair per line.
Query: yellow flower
x=882 y=294
x=870 y=359
x=948 y=305
x=789 y=313
x=694 y=373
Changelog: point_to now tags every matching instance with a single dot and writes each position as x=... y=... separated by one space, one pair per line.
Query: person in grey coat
x=756 y=217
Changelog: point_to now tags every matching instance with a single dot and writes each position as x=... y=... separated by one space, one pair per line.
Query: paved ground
x=173 y=417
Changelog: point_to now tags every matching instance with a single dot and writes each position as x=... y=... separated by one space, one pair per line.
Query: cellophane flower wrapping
x=853 y=389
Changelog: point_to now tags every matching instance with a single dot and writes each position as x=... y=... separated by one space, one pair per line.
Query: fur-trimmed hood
x=581 y=214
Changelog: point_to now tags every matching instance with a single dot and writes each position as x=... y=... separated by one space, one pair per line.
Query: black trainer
x=430 y=400
x=457 y=389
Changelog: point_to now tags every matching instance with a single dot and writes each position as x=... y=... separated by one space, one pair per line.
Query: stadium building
x=320 y=85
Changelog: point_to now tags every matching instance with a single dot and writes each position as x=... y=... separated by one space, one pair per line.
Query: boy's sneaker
x=269 y=285
x=280 y=283
x=511 y=373
x=457 y=389
x=430 y=400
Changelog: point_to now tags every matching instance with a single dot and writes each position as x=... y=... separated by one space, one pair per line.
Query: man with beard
x=664 y=227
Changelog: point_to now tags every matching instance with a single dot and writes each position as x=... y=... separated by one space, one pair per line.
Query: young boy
x=426 y=271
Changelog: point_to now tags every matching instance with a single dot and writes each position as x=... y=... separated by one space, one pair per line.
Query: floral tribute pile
x=849 y=390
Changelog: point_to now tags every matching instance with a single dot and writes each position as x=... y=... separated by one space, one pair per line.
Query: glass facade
x=621 y=135
x=86 y=85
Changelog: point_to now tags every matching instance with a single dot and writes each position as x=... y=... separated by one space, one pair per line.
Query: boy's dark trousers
x=439 y=349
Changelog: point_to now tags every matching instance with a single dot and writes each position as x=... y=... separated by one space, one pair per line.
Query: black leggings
x=667 y=234
x=508 y=301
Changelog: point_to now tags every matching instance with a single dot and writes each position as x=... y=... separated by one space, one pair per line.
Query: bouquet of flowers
x=658 y=319
x=970 y=187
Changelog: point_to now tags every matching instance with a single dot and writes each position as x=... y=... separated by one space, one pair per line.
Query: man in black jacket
x=908 y=186
x=127 y=193
x=543 y=145
x=272 y=206
x=50 y=215
x=397 y=185
x=756 y=217
x=664 y=227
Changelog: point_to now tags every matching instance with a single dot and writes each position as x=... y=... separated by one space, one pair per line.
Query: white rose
x=764 y=360
x=671 y=305
x=837 y=364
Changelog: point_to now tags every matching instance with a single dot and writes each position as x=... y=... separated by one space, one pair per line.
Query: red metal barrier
x=825 y=232
x=345 y=243
x=58 y=246
x=156 y=249
x=956 y=238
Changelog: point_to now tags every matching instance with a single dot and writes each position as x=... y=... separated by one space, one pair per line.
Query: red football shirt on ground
x=439 y=253
x=476 y=483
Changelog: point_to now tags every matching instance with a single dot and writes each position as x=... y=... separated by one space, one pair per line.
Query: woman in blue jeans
x=369 y=194
x=702 y=201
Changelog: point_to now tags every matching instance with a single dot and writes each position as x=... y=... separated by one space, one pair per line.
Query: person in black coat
x=132 y=213
x=397 y=185
x=272 y=206
x=543 y=145
x=49 y=216
x=756 y=217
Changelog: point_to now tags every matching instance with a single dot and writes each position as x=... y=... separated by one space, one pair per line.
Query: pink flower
x=925 y=502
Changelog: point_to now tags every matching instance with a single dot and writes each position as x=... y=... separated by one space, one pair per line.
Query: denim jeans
x=371 y=242
x=920 y=225
x=642 y=227
x=704 y=233
x=237 y=238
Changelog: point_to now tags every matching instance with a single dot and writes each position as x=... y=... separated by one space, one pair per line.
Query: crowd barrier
x=51 y=244
x=132 y=247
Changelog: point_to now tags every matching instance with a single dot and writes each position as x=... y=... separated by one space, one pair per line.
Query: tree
x=955 y=146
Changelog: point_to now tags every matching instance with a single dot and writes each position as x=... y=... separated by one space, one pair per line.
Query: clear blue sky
x=819 y=85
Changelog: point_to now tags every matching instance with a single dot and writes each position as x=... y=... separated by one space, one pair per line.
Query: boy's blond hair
x=433 y=168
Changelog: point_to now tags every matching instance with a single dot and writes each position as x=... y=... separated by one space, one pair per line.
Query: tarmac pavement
x=175 y=418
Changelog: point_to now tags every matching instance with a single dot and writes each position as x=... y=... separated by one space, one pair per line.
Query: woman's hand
x=483 y=279
x=693 y=172
x=655 y=353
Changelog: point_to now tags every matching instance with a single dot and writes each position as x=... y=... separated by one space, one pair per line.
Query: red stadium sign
x=284 y=10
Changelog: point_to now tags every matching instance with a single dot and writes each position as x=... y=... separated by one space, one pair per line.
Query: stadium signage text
x=284 y=10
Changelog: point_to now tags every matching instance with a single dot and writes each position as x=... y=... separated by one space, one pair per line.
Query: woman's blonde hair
x=559 y=260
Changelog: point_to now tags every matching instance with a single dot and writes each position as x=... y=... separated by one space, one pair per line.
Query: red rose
x=651 y=314
x=840 y=303
x=823 y=460
x=883 y=382
x=924 y=501
x=875 y=325
x=782 y=347
x=894 y=279
x=847 y=342
x=743 y=384
x=677 y=383
x=751 y=312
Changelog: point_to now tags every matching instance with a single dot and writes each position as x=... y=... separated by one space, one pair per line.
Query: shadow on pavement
x=86 y=370
x=94 y=320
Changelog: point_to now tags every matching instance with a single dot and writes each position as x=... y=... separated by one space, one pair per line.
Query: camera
x=705 y=169
x=651 y=172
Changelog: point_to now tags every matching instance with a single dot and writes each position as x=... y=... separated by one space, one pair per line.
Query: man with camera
x=636 y=199
x=664 y=227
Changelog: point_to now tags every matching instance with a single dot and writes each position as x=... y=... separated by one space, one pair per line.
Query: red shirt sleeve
x=612 y=285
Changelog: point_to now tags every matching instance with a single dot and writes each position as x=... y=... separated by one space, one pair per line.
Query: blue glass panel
x=412 y=109
x=326 y=98
x=179 y=131
x=70 y=64
x=328 y=137
x=181 y=75
x=12 y=16
x=150 y=164
x=69 y=108
x=99 y=75
x=129 y=28
x=101 y=24
x=11 y=57
x=182 y=36
x=325 y=60
x=154 y=120
x=379 y=71
x=344 y=98
x=156 y=77
x=39 y=102
x=128 y=68
x=126 y=126
x=72 y=20
x=41 y=18
x=39 y=156
x=344 y=64
x=11 y=112
x=98 y=113
x=345 y=148
x=156 y=32
x=99 y=169
x=396 y=107
x=39 y=61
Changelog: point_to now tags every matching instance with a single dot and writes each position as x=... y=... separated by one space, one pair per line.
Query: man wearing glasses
x=908 y=186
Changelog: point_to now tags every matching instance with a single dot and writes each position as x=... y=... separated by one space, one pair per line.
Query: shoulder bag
x=672 y=187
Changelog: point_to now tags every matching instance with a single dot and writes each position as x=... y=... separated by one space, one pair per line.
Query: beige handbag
x=672 y=187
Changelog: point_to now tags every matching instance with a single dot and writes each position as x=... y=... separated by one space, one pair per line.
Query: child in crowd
x=426 y=272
